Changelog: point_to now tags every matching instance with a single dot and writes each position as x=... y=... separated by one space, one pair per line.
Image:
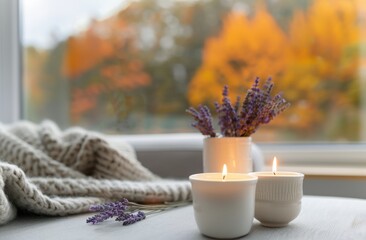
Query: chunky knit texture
x=46 y=171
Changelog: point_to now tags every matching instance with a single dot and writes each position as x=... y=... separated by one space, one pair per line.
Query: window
x=42 y=94
x=135 y=66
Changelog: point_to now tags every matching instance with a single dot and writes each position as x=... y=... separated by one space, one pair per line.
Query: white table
x=320 y=218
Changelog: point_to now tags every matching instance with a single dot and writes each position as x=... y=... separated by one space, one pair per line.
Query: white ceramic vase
x=235 y=152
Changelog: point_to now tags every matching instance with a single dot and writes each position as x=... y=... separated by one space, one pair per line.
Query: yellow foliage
x=314 y=63
x=319 y=70
x=245 y=48
x=34 y=61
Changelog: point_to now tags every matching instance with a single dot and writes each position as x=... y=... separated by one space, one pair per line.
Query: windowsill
x=319 y=160
x=326 y=171
x=314 y=160
x=330 y=169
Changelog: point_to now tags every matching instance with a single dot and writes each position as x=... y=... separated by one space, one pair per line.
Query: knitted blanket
x=46 y=171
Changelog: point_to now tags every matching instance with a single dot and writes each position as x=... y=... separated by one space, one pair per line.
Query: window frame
x=10 y=61
x=293 y=156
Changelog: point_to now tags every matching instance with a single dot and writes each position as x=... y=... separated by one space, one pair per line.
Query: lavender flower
x=133 y=218
x=98 y=218
x=228 y=117
x=241 y=120
x=127 y=212
x=202 y=120
x=122 y=217
x=121 y=205
x=107 y=210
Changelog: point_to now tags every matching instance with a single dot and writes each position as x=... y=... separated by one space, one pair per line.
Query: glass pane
x=135 y=66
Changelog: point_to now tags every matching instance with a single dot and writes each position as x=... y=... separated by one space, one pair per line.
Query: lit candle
x=274 y=165
x=278 y=196
x=224 y=172
x=223 y=203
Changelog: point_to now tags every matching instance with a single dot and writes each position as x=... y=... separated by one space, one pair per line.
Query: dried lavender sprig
x=248 y=109
x=253 y=120
x=248 y=105
x=107 y=210
x=166 y=205
x=227 y=115
x=237 y=105
x=121 y=204
x=122 y=217
x=265 y=108
x=208 y=119
x=128 y=212
x=278 y=105
x=202 y=120
x=98 y=218
x=257 y=108
x=133 y=218
x=268 y=86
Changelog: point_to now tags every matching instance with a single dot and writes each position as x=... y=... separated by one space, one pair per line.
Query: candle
x=223 y=203
x=278 y=196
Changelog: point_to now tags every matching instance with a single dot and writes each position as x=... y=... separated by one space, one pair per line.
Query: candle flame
x=224 y=172
x=274 y=166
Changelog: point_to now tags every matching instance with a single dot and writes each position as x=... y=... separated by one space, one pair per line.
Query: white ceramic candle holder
x=278 y=197
x=223 y=208
x=235 y=152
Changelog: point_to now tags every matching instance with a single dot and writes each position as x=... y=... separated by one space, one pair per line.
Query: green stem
x=157 y=207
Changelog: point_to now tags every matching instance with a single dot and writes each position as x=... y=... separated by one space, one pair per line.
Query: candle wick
x=223 y=177
x=274 y=173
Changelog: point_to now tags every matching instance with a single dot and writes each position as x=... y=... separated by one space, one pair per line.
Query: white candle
x=278 y=196
x=223 y=203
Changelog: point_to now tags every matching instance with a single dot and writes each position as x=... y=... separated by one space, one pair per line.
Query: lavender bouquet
x=244 y=117
x=128 y=212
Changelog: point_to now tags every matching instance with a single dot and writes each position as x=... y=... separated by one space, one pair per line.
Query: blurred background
x=133 y=67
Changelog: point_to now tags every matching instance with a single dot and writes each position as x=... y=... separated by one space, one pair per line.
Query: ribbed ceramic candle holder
x=278 y=197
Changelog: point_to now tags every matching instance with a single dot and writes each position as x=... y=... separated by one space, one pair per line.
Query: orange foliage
x=108 y=47
x=126 y=76
x=245 y=48
x=34 y=61
x=87 y=49
x=324 y=62
x=314 y=63
x=81 y=105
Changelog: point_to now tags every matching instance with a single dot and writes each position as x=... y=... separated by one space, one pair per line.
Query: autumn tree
x=103 y=68
x=34 y=60
x=244 y=49
x=314 y=62
x=146 y=52
x=322 y=76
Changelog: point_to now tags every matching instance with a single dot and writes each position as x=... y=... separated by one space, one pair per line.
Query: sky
x=47 y=21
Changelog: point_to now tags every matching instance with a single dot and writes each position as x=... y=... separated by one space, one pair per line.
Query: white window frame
x=10 y=61
x=313 y=158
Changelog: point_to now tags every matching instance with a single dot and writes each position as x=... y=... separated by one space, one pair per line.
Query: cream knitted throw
x=46 y=171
